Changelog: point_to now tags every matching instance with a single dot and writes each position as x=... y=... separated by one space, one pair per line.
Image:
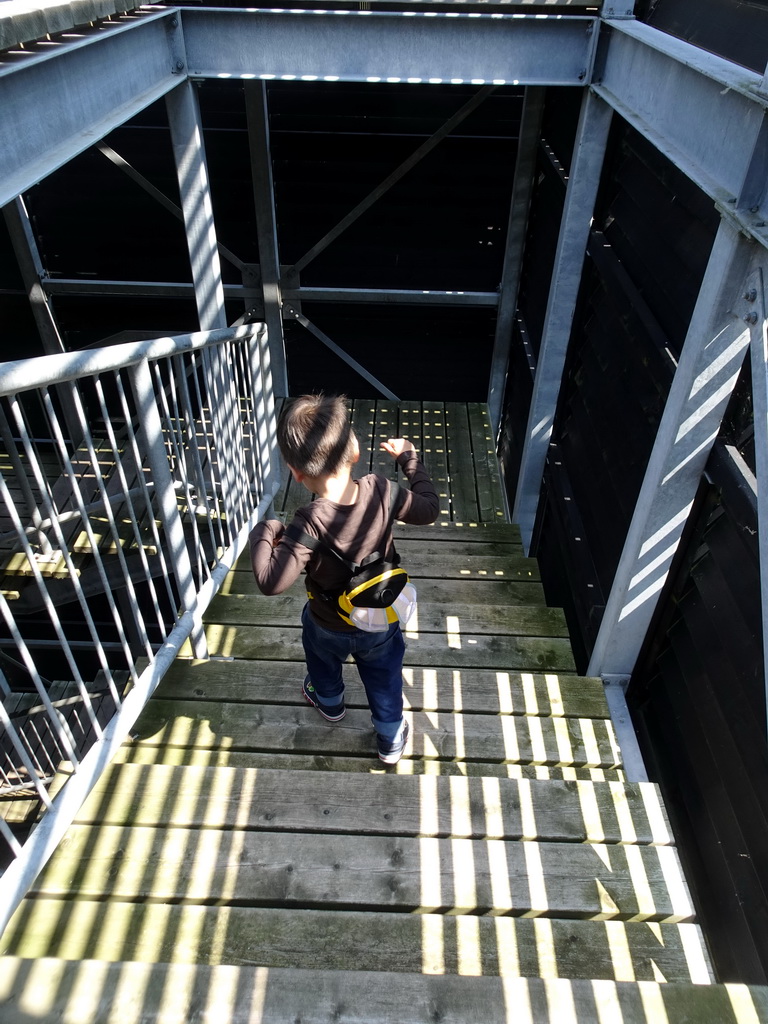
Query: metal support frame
x=32 y=272
x=194 y=187
x=758 y=323
x=388 y=46
x=709 y=366
x=87 y=87
x=589 y=150
x=244 y=292
x=348 y=359
x=703 y=112
x=522 y=189
x=266 y=228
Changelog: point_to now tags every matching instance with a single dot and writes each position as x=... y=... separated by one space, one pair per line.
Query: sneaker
x=390 y=751
x=330 y=712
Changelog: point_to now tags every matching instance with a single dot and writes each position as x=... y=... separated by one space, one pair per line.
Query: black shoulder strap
x=315 y=544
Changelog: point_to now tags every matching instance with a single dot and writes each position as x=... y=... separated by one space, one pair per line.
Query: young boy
x=317 y=442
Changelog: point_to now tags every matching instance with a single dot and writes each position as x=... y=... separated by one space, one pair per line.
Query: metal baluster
x=130 y=493
x=177 y=461
x=98 y=561
x=61 y=729
x=194 y=446
x=9 y=443
x=135 y=452
x=48 y=603
x=26 y=760
x=151 y=430
x=102 y=488
x=52 y=514
x=202 y=404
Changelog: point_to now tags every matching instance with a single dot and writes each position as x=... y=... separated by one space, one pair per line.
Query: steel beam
x=704 y=113
x=148 y=289
x=758 y=326
x=194 y=188
x=709 y=366
x=31 y=268
x=59 y=96
x=185 y=290
x=378 y=46
x=589 y=150
x=392 y=296
x=257 y=113
x=522 y=189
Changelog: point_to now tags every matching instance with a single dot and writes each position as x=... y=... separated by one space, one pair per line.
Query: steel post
x=194 y=188
x=758 y=327
x=709 y=366
x=522 y=189
x=583 y=181
x=266 y=229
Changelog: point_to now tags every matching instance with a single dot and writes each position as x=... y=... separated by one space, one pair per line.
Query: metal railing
x=130 y=477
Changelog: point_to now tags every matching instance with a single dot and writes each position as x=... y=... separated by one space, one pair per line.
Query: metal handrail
x=132 y=531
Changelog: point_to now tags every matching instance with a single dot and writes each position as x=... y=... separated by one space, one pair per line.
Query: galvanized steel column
x=194 y=188
x=758 y=325
x=266 y=229
x=710 y=363
x=583 y=181
x=522 y=188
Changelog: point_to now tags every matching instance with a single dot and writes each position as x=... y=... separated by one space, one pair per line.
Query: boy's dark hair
x=314 y=434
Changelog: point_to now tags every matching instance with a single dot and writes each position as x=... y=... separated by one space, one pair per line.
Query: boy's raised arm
x=276 y=563
x=421 y=505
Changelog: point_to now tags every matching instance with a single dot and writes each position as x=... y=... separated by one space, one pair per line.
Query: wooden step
x=444 y=616
x=222 y=756
x=459 y=593
x=581 y=742
x=283 y=643
x=367 y=941
x=551 y=694
x=264 y=799
x=50 y=990
x=344 y=872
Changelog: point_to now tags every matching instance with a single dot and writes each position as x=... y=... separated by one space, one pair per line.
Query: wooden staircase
x=243 y=860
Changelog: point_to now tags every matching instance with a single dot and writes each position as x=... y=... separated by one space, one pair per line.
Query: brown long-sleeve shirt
x=354 y=530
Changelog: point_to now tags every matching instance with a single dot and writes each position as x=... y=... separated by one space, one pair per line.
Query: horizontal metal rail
x=126 y=516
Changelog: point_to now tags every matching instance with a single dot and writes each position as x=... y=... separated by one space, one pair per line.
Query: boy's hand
x=397 y=445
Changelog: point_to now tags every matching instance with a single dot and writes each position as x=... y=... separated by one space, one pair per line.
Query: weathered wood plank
x=283 y=643
x=433 y=617
x=489 y=495
x=386 y=425
x=243 y=995
x=590 y=881
x=363 y=423
x=264 y=800
x=425 y=689
x=435 y=454
x=401 y=943
x=138 y=753
x=411 y=423
x=458 y=548
x=440 y=563
x=475 y=533
x=461 y=467
x=458 y=592
x=262 y=727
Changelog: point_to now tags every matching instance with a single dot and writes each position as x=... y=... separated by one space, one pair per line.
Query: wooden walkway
x=243 y=860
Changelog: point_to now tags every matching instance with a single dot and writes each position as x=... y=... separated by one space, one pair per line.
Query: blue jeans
x=379 y=660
